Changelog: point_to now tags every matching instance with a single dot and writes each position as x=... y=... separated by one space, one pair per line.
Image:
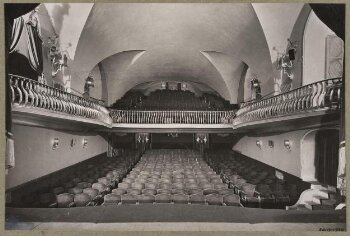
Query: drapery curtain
x=26 y=40
x=10 y=151
x=17 y=30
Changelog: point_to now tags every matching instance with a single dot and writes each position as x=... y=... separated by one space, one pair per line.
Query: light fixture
x=58 y=57
x=258 y=143
x=287 y=144
x=85 y=142
x=55 y=143
x=271 y=144
x=255 y=88
x=285 y=61
x=89 y=82
x=72 y=142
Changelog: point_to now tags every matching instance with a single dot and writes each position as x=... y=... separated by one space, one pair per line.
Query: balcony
x=38 y=104
x=310 y=106
x=313 y=104
x=173 y=121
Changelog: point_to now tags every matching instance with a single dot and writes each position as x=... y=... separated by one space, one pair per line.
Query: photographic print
x=175 y=116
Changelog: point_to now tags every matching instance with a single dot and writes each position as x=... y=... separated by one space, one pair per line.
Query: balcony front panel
x=320 y=98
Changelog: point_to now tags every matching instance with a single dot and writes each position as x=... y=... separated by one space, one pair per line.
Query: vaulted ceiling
x=210 y=43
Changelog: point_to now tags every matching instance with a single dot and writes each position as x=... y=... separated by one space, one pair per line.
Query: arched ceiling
x=205 y=43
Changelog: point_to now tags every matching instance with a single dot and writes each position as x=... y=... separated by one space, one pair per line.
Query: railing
x=98 y=101
x=172 y=117
x=30 y=93
x=317 y=96
x=322 y=95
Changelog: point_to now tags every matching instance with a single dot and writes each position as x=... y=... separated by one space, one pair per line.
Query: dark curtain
x=12 y=11
x=327 y=156
x=26 y=40
x=333 y=15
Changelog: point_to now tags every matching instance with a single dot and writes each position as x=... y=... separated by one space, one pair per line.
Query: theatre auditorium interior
x=176 y=112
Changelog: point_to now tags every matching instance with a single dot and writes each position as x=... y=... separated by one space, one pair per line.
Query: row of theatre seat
x=171 y=100
x=85 y=185
x=172 y=176
x=167 y=176
x=256 y=184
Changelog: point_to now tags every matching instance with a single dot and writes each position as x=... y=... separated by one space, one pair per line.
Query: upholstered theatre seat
x=111 y=199
x=132 y=191
x=210 y=191
x=82 y=199
x=220 y=186
x=124 y=185
x=91 y=192
x=231 y=200
x=100 y=187
x=164 y=191
x=65 y=200
x=180 y=198
x=214 y=199
x=129 y=199
x=75 y=190
x=163 y=198
x=145 y=198
x=149 y=191
x=84 y=185
x=197 y=199
x=119 y=191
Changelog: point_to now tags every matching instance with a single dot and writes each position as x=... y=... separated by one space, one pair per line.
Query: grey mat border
x=2 y=125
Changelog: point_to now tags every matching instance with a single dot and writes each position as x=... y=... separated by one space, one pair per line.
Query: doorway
x=326 y=153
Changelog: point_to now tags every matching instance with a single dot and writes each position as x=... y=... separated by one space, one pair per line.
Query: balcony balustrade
x=29 y=93
x=172 y=117
x=322 y=95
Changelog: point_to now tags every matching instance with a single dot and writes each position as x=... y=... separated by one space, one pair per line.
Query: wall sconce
x=85 y=142
x=173 y=135
x=163 y=85
x=271 y=144
x=255 y=88
x=285 y=61
x=55 y=143
x=205 y=139
x=202 y=138
x=72 y=142
x=258 y=143
x=58 y=58
x=89 y=82
x=287 y=144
